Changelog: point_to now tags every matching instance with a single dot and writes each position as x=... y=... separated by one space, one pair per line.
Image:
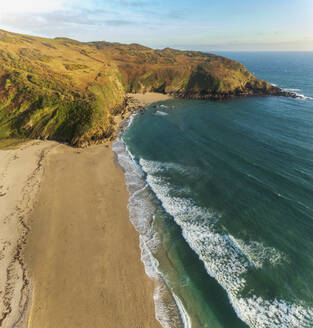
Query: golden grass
x=68 y=90
x=12 y=143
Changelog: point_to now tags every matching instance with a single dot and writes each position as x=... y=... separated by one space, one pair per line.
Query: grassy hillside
x=70 y=91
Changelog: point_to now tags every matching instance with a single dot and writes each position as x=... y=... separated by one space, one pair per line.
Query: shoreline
x=168 y=308
x=149 y=98
x=136 y=102
x=29 y=202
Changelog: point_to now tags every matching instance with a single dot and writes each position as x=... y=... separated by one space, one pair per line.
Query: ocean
x=221 y=194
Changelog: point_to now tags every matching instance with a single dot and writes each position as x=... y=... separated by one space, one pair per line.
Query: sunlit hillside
x=70 y=91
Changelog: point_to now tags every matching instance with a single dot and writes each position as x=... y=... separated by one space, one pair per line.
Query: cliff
x=71 y=91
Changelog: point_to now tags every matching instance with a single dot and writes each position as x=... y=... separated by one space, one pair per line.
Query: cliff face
x=70 y=91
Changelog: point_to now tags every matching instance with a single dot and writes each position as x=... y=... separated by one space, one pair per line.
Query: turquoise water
x=221 y=193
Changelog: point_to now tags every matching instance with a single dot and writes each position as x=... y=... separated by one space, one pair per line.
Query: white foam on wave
x=227 y=259
x=178 y=168
x=141 y=214
x=295 y=91
x=258 y=254
x=297 y=94
x=183 y=312
x=303 y=97
x=292 y=89
x=160 y=113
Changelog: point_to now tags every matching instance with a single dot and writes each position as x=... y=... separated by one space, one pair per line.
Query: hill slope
x=70 y=91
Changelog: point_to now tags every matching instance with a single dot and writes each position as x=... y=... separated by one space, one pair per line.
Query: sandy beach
x=147 y=98
x=69 y=255
x=82 y=251
x=21 y=171
x=139 y=100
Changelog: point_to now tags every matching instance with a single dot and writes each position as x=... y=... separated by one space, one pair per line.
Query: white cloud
x=31 y=6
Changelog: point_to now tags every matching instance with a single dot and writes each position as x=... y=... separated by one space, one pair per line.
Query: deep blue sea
x=222 y=196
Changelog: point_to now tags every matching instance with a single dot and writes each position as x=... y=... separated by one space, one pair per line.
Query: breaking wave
x=141 y=214
x=225 y=258
x=297 y=94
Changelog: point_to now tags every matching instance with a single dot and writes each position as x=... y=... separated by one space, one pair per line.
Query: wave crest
x=141 y=214
x=227 y=259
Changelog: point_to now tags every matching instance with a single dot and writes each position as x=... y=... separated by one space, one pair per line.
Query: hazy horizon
x=202 y=25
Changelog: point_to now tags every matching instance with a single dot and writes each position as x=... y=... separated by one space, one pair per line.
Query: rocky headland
x=70 y=91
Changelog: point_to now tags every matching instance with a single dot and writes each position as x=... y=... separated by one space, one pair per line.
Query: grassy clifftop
x=70 y=91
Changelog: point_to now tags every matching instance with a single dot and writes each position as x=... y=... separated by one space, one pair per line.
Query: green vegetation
x=70 y=91
x=74 y=67
x=12 y=143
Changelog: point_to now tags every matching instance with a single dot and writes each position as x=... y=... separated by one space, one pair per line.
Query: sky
x=206 y=25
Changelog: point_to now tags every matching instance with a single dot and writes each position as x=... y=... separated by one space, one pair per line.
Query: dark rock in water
x=248 y=91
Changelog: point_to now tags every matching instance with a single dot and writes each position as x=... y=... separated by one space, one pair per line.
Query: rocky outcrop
x=247 y=91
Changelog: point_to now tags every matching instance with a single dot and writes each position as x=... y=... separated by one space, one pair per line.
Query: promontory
x=71 y=91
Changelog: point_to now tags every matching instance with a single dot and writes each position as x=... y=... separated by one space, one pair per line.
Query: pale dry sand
x=149 y=97
x=83 y=253
x=20 y=174
x=73 y=259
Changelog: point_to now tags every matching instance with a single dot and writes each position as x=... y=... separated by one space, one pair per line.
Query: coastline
x=136 y=102
x=18 y=304
x=148 y=98
x=169 y=311
x=73 y=266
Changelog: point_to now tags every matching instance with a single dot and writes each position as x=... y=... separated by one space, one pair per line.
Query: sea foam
x=296 y=91
x=160 y=113
x=183 y=312
x=227 y=259
x=141 y=214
